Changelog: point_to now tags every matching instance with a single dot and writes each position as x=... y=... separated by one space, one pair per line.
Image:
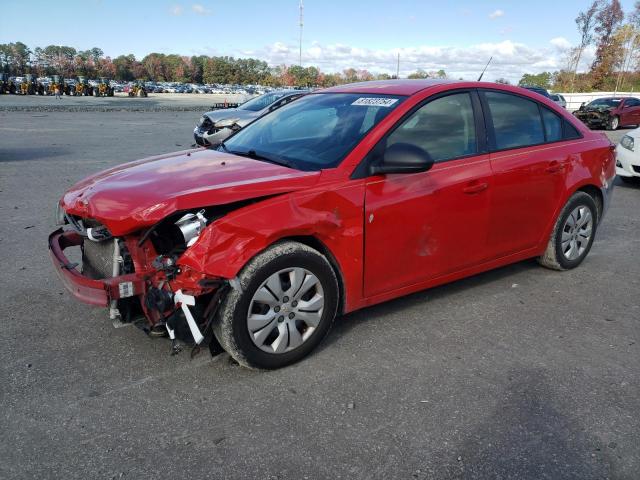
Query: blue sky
x=457 y=36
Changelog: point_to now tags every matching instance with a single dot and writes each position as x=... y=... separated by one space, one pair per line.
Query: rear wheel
x=285 y=306
x=573 y=233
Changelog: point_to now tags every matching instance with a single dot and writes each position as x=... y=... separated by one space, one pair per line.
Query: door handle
x=475 y=187
x=555 y=167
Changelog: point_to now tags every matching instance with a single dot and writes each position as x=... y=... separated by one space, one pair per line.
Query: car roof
x=290 y=91
x=388 y=87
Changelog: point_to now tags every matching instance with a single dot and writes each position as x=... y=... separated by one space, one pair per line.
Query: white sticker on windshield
x=375 y=101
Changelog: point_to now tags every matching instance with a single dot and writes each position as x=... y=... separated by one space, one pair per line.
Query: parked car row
x=176 y=87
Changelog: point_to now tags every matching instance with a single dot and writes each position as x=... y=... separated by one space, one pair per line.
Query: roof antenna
x=485 y=68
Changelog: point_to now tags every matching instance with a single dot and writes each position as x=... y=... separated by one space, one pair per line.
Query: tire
x=568 y=254
x=613 y=123
x=257 y=348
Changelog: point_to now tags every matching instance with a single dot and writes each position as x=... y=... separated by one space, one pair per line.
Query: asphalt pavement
x=519 y=373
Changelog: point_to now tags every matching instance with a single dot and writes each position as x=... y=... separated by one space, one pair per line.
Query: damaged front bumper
x=212 y=136
x=593 y=119
x=94 y=292
x=175 y=313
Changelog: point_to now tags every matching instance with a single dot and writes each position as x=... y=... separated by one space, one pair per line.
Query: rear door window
x=516 y=120
x=552 y=125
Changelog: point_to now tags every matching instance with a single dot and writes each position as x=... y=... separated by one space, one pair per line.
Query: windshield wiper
x=256 y=156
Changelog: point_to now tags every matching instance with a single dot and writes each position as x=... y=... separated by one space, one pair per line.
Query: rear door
x=529 y=163
x=424 y=225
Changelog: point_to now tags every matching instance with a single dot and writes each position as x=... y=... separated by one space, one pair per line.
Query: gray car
x=215 y=126
x=559 y=99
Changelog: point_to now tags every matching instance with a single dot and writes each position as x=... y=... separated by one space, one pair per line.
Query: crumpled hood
x=139 y=194
x=242 y=115
x=597 y=108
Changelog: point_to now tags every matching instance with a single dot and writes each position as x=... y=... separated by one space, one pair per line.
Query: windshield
x=605 y=102
x=315 y=132
x=263 y=101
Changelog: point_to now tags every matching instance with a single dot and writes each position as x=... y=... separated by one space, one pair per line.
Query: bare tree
x=609 y=50
x=585 y=22
x=629 y=36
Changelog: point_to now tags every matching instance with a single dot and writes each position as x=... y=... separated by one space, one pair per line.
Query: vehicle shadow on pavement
x=27 y=153
x=631 y=186
x=530 y=435
x=351 y=320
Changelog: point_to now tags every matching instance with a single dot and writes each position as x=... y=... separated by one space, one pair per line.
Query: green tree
x=536 y=80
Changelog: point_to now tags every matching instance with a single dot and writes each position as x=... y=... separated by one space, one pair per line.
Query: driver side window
x=444 y=128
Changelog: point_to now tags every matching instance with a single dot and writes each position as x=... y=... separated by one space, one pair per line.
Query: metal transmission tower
x=301 y=25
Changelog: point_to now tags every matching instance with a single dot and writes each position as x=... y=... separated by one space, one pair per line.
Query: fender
x=332 y=216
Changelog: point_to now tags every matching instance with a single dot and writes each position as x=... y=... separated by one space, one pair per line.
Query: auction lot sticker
x=375 y=101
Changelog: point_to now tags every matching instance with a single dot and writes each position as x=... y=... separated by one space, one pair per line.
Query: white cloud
x=200 y=9
x=176 y=10
x=560 y=42
x=510 y=59
x=496 y=14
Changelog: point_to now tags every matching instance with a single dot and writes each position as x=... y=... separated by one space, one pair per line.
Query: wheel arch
x=319 y=245
x=595 y=193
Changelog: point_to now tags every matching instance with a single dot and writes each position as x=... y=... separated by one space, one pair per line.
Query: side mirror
x=403 y=158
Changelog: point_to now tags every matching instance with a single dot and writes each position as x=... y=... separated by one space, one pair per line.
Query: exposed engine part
x=159 y=300
x=87 y=227
x=167 y=264
x=191 y=225
x=98 y=234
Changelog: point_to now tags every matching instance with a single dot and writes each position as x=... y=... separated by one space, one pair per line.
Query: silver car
x=559 y=99
x=215 y=126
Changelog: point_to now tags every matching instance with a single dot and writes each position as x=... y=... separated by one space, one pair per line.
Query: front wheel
x=572 y=234
x=284 y=306
x=613 y=123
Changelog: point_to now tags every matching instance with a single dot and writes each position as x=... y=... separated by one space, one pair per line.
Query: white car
x=628 y=157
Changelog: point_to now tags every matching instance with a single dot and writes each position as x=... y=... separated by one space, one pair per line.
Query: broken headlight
x=60 y=217
x=627 y=142
x=191 y=225
x=173 y=235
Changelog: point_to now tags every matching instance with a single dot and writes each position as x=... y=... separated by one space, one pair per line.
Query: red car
x=610 y=112
x=346 y=198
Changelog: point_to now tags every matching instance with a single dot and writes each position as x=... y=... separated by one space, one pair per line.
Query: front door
x=424 y=225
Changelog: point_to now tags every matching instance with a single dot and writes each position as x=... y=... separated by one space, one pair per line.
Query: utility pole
x=398 y=67
x=301 y=25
